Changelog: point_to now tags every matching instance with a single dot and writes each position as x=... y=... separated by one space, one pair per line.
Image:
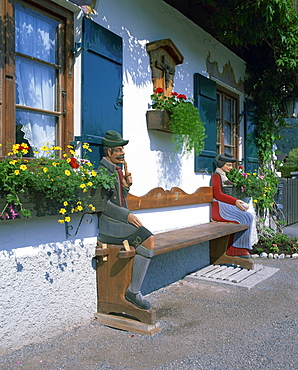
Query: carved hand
x=132 y=219
x=239 y=204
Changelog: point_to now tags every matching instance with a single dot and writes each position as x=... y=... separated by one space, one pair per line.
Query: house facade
x=65 y=80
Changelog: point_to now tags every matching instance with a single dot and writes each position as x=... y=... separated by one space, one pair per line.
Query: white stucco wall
x=139 y=22
x=47 y=281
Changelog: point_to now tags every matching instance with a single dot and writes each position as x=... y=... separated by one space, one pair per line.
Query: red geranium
x=74 y=163
x=181 y=96
x=158 y=90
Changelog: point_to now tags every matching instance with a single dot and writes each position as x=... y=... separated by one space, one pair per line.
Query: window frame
x=220 y=145
x=65 y=79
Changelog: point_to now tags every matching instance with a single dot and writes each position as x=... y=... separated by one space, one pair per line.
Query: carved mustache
x=120 y=157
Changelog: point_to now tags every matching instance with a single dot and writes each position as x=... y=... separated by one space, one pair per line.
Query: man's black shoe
x=137 y=299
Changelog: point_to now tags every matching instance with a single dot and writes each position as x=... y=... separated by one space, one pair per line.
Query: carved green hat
x=113 y=139
x=223 y=158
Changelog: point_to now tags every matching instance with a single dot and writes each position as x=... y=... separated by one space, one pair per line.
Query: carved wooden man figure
x=117 y=223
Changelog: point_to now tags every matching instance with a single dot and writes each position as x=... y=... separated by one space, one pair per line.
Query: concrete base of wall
x=45 y=291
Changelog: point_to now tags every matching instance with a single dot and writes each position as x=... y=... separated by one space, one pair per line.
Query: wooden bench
x=116 y=271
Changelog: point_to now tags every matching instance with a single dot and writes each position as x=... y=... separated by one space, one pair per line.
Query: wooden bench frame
x=218 y=233
x=116 y=271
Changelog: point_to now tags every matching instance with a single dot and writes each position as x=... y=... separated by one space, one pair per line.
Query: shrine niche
x=164 y=56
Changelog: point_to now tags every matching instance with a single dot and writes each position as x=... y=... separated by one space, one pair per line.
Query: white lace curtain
x=36 y=36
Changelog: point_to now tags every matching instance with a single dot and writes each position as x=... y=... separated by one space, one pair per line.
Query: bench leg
x=113 y=278
x=218 y=254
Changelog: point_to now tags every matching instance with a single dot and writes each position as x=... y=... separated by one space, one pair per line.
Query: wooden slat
x=158 y=197
x=181 y=238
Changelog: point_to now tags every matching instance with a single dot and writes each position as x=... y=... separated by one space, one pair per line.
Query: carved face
x=116 y=155
x=227 y=167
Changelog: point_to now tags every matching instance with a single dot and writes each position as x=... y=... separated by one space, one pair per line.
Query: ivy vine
x=266 y=34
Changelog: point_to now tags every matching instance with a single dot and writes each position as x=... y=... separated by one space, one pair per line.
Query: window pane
x=218 y=105
x=227 y=134
x=35 y=85
x=228 y=109
x=35 y=34
x=228 y=150
x=35 y=129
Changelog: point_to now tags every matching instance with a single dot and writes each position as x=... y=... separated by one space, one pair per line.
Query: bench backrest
x=158 y=197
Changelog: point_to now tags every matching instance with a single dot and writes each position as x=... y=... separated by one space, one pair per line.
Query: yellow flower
x=93 y=173
x=23 y=167
x=79 y=202
x=57 y=148
x=72 y=152
x=65 y=204
x=45 y=169
x=68 y=160
x=85 y=145
x=89 y=164
x=89 y=183
x=55 y=164
x=65 y=155
x=80 y=208
x=44 y=148
x=62 y=211
x=70 y=146
x=67 y=219
x=25 y=151
x=255 y=201
x=13 y=161
x=16 y=172
x=67 y=173
x=92 y=207
x=85 y=190
x=10 y=153
x=61 y=221
x=82 y=186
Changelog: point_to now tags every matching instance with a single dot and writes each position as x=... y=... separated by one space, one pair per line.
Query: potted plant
x=55 y=183
x=180 y=117
x=260 y=185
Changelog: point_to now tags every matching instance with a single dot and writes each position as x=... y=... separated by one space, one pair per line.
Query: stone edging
x=274 y=255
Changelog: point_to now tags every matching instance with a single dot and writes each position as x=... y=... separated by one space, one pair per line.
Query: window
x=226 y=123
x=37 y=98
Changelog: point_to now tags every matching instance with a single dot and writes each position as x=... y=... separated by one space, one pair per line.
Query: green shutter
x=205 y=101
x=250 y=125
x=101 y=85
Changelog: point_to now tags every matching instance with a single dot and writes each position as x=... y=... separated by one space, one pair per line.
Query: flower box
x=158 y=120
x=39 y=206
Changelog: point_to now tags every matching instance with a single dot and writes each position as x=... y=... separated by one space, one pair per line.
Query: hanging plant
x=185 y=122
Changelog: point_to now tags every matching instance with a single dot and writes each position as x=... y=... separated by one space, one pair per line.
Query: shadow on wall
x=148 y=21
x=168 y=165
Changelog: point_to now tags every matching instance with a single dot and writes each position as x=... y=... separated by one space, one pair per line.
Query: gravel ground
x=204 y=327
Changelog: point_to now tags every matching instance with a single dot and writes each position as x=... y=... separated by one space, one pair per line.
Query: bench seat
x=181 y=238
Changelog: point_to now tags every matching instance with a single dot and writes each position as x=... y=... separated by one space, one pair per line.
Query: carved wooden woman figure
x=226 y=208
